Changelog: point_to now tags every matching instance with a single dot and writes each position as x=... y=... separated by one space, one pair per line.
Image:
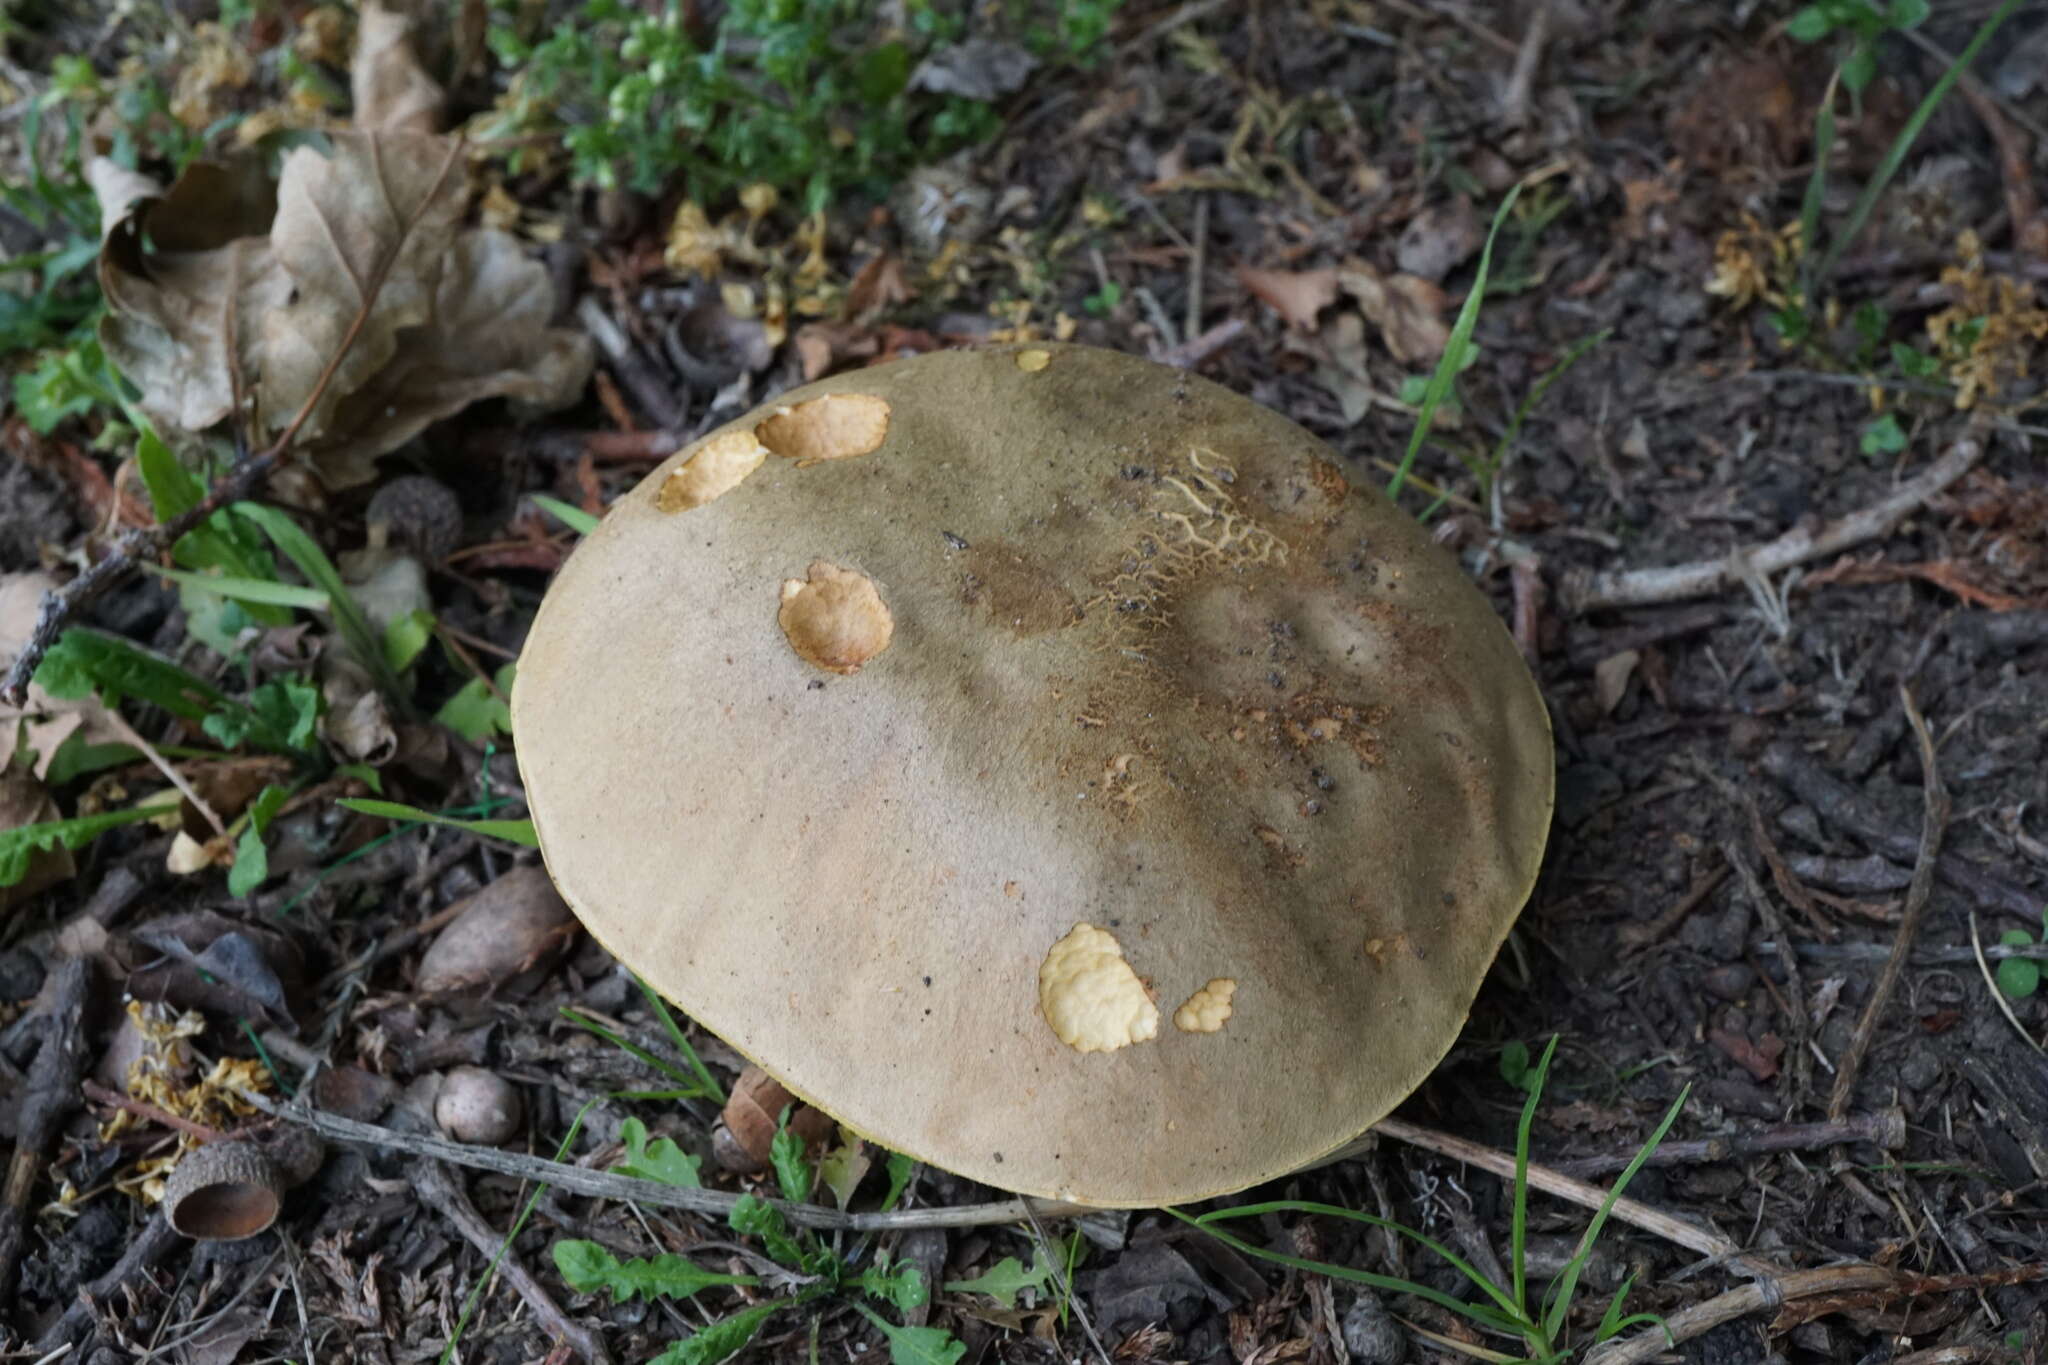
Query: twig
x=143 y=1109
x=51 y=1091
x=1886 y=1128
x=1553 y=1182
x=1514 y=101
x=148 y=542
x=1197 y=349
x=1933 y=824
x=1843 y=954
x=1196 y=257
x=152 y=1245
x=170 y=773
x=1636 y=937
x=1584 y=592
x=626 y=1189
x=438 y=1186
x=1065 y=1285
x=634 y=370
x=1781 y=1289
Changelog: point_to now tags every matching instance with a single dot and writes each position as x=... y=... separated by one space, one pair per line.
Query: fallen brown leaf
x=360 y=302
x=1296 y=295
x=1408 y=310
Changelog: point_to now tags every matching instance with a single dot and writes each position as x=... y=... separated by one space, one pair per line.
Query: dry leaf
x=1610 y=678
x=1439 y=239
x=363 y=246
x=43 y=722
x=1408 y=310
x=392 y=92
x=1296 y=295
x=1341 y=365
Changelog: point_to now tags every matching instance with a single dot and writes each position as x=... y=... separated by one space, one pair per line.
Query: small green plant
x=810 y=96
x=1882 y=435
x=1515 y=1068
x=2019 y=977
x=1862 y=23
x=1540 y=1328
x=811 y=1270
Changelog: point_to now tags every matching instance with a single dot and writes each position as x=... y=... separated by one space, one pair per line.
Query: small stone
x=21 y=974
x=1371 y=1335
x=1731 y=982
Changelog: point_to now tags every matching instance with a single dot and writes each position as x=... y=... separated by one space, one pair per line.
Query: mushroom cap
x=1045 y=762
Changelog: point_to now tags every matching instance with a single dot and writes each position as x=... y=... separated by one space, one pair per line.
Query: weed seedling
x=2020 y=977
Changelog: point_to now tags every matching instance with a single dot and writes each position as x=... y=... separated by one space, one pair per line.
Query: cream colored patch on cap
x=720 y=465
x=834 y=619
x=1031 y=362
x=1207 y=1009
x=828 y=428
x=1090 y=995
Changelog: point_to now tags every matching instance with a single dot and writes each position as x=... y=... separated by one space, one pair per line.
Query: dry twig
x=1584 y=592
x=1886 y=1128
x=439 y=1187
x=49 y=1095
x=1933 y=824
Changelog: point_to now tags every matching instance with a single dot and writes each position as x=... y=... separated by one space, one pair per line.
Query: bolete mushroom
x=1046 y=762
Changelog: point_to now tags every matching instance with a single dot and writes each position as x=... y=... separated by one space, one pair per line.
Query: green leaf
x=786 y=1154
x=1514 y=1064
x=2017 y=977
x=1859 y=68
x=588 y=1268
x=840 y=1170
x=1007 y=1278
x=900 y=1168
x=75 y=758
x=23 y=842
x=476 y=712
x=720 y=1341
x=406 y=636
x=511 y=831
x=258 y=590
x=1810 y=25
x=902 y=1287
x=1908 y=13
x=252 y=859
x=85 y=662
x=363 y=773
x=757 y=1218
x=1883 y=436
x=658 y=1160
x=1612 y=1321
x=916 y=1345
x=707 y=1083
x=1914 y=363
x=573 y=517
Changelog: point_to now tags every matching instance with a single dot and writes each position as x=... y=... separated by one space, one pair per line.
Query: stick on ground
x=1582 y=592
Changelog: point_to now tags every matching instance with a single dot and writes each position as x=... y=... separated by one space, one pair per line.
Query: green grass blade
x=356 y=632
x=1452 y=360
x=712 y=1089
x=1508 y=1319
x=1902 y=145
x=575 y=518
x=632 y=1049
x=262 y=591
x=1568 y=1283
x=511 y=831
x=1520 y=1233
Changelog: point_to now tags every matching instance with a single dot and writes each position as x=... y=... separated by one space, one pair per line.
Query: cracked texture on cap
x=1153 y=669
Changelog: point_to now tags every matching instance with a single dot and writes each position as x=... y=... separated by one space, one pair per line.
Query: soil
x=1742 y=795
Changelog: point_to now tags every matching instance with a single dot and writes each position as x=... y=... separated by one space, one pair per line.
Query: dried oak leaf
x=1408 y=310
x=1296 y=295
x=358 y=263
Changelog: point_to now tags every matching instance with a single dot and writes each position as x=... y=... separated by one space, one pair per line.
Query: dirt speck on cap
x=1090 y=995
x=720 y=465
x=834 y=618
x=1208 y=1008
x=828 y=428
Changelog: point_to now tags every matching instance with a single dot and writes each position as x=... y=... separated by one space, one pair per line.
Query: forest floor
x=1778 y=494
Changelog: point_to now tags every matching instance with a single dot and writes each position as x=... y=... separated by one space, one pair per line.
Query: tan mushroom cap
x=846 y=758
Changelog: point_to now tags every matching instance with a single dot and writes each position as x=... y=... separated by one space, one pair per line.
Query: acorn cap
x=223 y=1192
x=1045 y=762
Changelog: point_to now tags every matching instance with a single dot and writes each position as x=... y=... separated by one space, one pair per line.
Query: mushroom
x=1045 y=762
